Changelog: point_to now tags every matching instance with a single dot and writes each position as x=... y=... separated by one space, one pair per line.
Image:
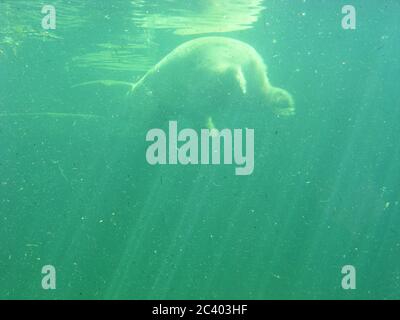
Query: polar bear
x=208 y=73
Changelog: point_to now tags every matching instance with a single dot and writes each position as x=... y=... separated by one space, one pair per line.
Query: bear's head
x=280 y=101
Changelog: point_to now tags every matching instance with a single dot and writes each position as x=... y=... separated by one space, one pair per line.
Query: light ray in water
x=50 y=114
x=104 y=82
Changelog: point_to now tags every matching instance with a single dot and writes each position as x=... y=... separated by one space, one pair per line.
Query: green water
x=77 y=193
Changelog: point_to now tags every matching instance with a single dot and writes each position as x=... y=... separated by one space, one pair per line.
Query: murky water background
x=76 y=191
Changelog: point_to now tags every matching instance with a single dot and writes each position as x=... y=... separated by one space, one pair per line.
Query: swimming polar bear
x=200 y=77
